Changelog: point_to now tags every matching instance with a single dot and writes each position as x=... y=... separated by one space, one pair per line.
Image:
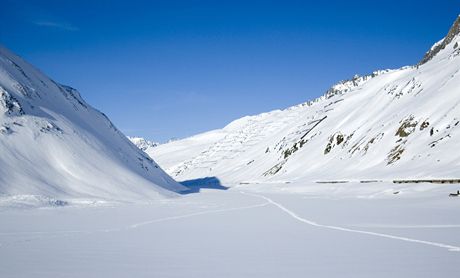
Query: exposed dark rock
x=453 y=32
x=10 y=104
x=424 y=125
x=407 y=127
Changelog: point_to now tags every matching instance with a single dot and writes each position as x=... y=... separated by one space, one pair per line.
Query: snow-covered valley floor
x=256 y=230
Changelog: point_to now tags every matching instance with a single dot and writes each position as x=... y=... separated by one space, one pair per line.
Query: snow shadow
x=195 y=185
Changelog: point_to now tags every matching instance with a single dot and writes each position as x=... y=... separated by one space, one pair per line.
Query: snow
x=303 y=192
x=392 y=124
x=436 y=44
x=246 y=231
x=54 y=145
x=142 y=143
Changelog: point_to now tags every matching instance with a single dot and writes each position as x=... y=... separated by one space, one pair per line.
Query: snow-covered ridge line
x=440 y=45
x=390 y=125
x=142 y=143
x=345 y=86
x=55 y=145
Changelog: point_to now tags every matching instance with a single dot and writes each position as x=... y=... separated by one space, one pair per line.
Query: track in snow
x=441 y=226
x=137 y=225
x=312 y=223
x=39 y=235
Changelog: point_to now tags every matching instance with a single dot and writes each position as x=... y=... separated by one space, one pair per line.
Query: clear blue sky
x=163 y=69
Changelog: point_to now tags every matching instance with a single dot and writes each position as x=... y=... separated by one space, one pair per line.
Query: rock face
x=402 y=123
x=52 y=143
x=437 y=47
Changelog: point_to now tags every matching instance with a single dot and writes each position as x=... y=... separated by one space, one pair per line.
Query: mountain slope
x=402 y=123
x=52 y=143
x=142 y=143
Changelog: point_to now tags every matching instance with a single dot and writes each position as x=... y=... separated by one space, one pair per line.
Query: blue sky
x=170 y=69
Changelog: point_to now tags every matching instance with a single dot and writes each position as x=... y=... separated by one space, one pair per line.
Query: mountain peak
x=54 y=144
x=142 y=143
x=437 y=47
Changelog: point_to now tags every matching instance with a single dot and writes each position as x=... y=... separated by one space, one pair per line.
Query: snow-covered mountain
x=52 y=143
x=142 y=143
x=392 y=124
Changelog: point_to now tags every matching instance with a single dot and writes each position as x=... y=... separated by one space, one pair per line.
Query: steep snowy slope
x=391 y=124
x=54 y=144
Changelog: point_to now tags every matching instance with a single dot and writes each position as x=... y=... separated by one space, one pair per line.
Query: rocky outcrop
x=437 y=47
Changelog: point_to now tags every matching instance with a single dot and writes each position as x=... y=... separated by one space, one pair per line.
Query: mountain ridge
x=55 y=144
x=440 y=45
x=390 y=124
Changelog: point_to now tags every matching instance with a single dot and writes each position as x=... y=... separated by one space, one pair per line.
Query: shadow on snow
x=194 y=186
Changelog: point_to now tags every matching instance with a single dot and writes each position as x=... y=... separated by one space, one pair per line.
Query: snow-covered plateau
x=361 y=182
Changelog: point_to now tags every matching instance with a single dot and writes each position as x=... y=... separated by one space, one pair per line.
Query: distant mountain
x=142 y=143
x=402 y=123
x=52 y=143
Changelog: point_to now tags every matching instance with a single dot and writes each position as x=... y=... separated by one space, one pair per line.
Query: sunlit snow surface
x=391 y=124
x=78 y=200
x=264 y=230
x=54 y=145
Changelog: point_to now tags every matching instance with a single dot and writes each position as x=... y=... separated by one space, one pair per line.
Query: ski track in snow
x=269 y=201
x=312 y=223
x=441 y=226
x=57 y=234
x=134 y=226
